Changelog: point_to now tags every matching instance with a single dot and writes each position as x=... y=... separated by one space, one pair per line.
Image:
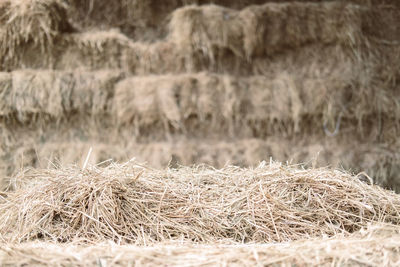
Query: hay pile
x=255 y=106
x=380 y=162
x=131 y=203
x=92 y=50
x=138 y=19
x=372 y=246
x=30 y=23
x=28 y=96
x=264 y=30
x=252 y=106
x=110 y=49
x=329 y=27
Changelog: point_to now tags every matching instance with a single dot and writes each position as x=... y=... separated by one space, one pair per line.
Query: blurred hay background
x=248 y=70
x=181 y=83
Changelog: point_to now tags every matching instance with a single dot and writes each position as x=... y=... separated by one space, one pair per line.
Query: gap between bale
x=131 y=203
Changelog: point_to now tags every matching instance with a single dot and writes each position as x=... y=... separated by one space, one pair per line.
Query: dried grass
x=131 y=203
x=265 y=29
x=30 y=23
x=167 y=99
x=224 y=101
x=160 y=105
x=66 y=145
x=32 y=95
x=92 y=50
x=181 y=103
x=139 y=19
x=376 y=245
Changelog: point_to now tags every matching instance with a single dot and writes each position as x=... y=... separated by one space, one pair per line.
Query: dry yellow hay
x=265 y=29
x=160 y=57
x=134 y=17
x=5 y=87
x=30 y=23
x=28 y=95
x=68 y=145
x=222 y=100
x=376 y=245
x=111 y=49
x=139 y=19
x=168 y=99
x=181 y=103
x=130 y=203
x=92 y=50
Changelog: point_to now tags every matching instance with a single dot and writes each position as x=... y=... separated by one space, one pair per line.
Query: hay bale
x=273 y=27
x=186 y=101
x=66 y=146
x=132 y=17
x=87 y=51
x=92 y=50
x=5 y=88
x=160 y=57
x=31 y=95
x=112 y=50
x=130 y=203
x=138 y=19
x=376 y=245
x=201 y=28
x=30 y=23
x=265 y=29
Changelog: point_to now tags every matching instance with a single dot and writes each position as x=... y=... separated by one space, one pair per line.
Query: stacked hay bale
x=220 y=83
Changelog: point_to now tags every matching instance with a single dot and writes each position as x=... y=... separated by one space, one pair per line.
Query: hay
x=130 y=203
x=224 y=101
x=99 y=50
x=376 y=246
x=136 y=19
x=112 y=50
x=30 y=23
x=140 y=20
x=265 y=29
x=68 y=145
x=32 y=95
x=183 y=103
x=95 y=50
x=160 y=57
x=92 y=50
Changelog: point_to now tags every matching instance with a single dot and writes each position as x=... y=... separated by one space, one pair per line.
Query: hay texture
x=33 y=95
x=131 y=203
x=160 y=105
x=264 y=29
x=183 y=102
x=96 y=50
x=92 y=50
x=255 y=106
x=376 y=245
x=30 y=23
x=64 y=147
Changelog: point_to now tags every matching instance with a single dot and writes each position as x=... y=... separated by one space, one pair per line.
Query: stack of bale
x=295 y=81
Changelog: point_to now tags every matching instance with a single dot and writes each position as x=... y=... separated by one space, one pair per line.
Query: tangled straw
x=131 y=203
